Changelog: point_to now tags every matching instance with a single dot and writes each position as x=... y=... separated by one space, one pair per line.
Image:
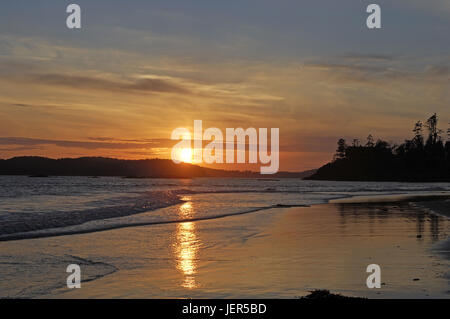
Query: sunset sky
x=136 y=70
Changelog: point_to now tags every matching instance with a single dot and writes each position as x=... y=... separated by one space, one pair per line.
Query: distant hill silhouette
x=100 y=166
x=415 y=160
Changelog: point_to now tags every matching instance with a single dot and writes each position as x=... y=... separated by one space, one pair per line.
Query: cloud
x=89 y=82
x=369 y=57
x=354 y=72
x=141 y=140
x=442 y=7
x=438 y=70
x=381 y=74
x=27 y=142
x=18 y=149
x=10 y=66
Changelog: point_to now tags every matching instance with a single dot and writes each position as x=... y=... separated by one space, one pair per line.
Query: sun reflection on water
x=186 y=247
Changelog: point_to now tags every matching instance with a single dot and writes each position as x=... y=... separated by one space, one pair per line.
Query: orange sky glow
x=119 y=88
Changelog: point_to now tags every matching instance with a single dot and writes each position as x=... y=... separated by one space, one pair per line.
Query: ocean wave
x=392 y=198
x=11 y=223
x=70 y=205
x=63 y=231
x=49 y=268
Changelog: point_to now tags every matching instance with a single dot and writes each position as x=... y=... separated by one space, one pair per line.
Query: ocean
x=217 y=237
x=33 y=207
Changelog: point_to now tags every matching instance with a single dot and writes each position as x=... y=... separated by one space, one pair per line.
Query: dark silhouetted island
x=99 y=166
x=415 y=160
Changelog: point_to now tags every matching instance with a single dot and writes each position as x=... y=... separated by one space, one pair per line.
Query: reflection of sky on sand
x=277 y=253
x=186 y=246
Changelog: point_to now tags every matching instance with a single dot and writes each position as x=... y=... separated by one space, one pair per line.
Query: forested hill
x=100 y=166
x=424 y=158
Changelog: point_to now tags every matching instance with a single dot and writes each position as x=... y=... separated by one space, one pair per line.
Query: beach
x=225 y=151
x=273 y=253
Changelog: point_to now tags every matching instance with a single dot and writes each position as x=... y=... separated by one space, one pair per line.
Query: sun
x=186 y=155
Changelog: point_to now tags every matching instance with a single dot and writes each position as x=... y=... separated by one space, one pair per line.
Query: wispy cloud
x=438 y=70
x=97 y=83
x=369 y=57
x=27 y=142
x=382 y=74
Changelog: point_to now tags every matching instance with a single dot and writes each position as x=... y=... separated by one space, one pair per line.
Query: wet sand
x=279 y=253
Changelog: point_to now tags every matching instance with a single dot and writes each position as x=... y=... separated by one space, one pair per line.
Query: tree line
x=424 y=157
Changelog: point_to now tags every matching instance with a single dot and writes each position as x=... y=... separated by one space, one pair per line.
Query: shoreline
x=440 y=206
x=37 y=235
x=284 y=175
x=279 y=237
x=277 y=253
x=437 y=203
x=273 y=235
